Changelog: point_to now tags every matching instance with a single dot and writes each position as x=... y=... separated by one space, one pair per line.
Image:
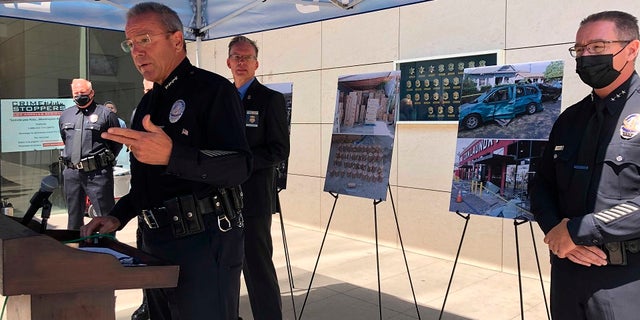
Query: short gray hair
x=168 y=17
x=243 y=39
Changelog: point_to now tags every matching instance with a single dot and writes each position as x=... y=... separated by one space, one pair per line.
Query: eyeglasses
x=241 y=58
x=141 y=41
x=595 y=47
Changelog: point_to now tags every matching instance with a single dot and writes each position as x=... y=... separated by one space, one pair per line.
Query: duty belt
x=617 y=251
x=96 y=162
x=185 y=214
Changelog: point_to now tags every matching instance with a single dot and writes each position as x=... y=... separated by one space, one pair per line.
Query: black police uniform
x=189 y=221
x=610 y=218
x=268 y=135
x=93 y=175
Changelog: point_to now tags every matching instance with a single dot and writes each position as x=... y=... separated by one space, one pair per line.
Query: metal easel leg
x=335 y=196
x=516 y=223
x=535 y=250
x=286 y=255
x=404 y=254
x=455 y=262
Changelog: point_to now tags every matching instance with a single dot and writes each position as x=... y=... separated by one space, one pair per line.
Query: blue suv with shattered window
x=501 y=102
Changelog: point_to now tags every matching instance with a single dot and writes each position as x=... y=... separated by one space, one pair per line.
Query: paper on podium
x=124 y=259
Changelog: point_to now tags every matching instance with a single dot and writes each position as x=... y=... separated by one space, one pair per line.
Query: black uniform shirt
x=97 y=119
x=267 y=132
x=612 y=210
x=202 y=114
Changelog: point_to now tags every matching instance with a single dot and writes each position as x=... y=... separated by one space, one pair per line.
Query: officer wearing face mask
x=586 y=194
x=87 y=157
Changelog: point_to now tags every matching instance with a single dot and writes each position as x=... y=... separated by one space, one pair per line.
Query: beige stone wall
x=314 y=56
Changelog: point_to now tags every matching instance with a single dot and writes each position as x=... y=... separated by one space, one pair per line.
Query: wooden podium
x=47 y=279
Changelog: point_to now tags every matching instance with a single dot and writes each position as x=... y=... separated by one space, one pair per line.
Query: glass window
x=38 y=62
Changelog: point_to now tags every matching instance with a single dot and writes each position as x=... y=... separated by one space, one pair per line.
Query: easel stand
x=375 y=216
x=286 y=255
x=516 y=223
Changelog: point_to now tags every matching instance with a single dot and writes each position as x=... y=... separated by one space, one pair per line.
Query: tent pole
x=198 y=43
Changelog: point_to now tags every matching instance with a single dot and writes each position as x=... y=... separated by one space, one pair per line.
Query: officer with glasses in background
x=586 y=193
x=267 y=131
x=188 y=155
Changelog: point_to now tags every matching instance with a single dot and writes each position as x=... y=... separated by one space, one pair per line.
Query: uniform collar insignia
x=166 y=87
x=618 y=95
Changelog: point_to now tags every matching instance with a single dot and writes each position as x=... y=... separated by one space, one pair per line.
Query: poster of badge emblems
x=431 y=89
x=505 y=120
x=287 y=90
x=363 y=134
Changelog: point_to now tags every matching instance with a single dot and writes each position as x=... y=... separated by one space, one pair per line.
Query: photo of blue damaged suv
x=502 y=102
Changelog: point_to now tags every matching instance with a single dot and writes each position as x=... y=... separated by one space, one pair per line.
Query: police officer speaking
x=586 y=195
x=188 y=155
x=88 y=158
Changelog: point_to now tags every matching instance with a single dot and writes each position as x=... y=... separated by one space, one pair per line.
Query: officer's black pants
x=209 y=281
x=97 y=184
x=259 y=272
x=595 y=293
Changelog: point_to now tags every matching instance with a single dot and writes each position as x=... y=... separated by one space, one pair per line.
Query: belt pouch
x=91 y=164
x=633 y=246
x=185 y=219
x=617 y=254
x=191 y=216
x=175 y=217
x=226 y=204
x=101 y=160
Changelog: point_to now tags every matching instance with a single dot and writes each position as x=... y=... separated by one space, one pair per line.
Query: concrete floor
x=345 y=284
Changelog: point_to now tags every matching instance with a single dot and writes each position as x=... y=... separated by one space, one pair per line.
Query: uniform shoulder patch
x=630 y=126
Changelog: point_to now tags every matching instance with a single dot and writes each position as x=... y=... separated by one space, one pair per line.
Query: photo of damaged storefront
x=491 y=177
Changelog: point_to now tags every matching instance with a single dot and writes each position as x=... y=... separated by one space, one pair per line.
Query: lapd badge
x=177 y=109
x=93 y=118
x=252 y=118
x=630 y=126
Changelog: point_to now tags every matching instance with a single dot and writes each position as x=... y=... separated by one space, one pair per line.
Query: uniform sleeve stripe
x=603 y=219
x=617 y=212
x=627 y=206
x=217 y=153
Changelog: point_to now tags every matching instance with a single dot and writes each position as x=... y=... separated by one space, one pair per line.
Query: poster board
x=32 y=124
x=431 y=89
x=504 y=123
x=363 y=134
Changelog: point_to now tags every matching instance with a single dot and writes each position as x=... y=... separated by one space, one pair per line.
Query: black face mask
x=82 y=100
x=597 y=71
